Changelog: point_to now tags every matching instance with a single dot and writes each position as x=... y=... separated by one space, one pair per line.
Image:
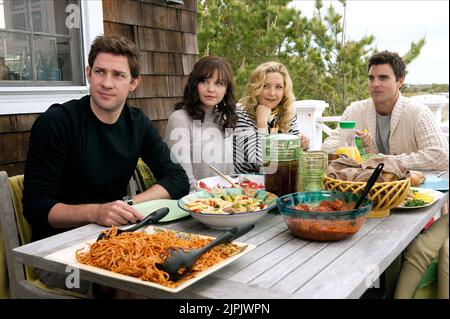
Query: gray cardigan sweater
x=196 y=145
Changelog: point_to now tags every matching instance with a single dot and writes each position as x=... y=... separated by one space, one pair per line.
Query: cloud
x=395 y=24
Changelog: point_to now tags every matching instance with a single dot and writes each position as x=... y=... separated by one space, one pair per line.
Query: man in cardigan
x=391 y=124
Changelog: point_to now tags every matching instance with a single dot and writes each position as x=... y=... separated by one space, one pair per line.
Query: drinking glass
x=313 y=167
x=281 y=154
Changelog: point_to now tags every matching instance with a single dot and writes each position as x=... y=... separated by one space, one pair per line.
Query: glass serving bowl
x=323 y=226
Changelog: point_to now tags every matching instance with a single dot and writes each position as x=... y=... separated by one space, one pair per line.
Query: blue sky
x=395 y=24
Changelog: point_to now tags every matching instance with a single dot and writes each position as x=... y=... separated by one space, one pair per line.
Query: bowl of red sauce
x=323 y=215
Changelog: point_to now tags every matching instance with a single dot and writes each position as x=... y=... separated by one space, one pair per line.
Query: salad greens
x=415 y=202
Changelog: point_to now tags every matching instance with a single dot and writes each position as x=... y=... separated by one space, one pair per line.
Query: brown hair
x=116 y=45
x=391 y=58
x=204 y=69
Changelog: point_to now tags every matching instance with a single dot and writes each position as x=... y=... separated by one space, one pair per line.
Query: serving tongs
x=154 y=217
x=372 y=179
x=186 y=259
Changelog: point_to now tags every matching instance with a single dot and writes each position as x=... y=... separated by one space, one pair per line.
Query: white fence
x=312 y=123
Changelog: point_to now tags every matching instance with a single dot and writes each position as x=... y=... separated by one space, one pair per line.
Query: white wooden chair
x=21 y=282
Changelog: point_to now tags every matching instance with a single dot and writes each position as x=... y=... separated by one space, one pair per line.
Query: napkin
x=347 y=169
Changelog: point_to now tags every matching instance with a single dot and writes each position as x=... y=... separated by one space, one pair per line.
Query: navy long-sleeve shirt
x=74 y=158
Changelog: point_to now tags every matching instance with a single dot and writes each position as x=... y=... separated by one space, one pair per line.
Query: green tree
x=323 y=63
x=246 y=33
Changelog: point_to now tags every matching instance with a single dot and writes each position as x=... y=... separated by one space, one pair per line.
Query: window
x=38 y=43
x=43 y=51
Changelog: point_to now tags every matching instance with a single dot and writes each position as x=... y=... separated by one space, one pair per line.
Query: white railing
x=312 y=123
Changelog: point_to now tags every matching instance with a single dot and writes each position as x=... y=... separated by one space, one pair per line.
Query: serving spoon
x=225 y=177
x=179 y=258
x=151 y=218
x=373 y=178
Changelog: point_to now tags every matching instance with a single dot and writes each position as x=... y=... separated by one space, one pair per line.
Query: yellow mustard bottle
x=347 y=146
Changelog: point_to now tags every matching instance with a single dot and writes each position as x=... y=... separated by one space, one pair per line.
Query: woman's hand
x=262 y=115
x=368 y=143
x=304 y=144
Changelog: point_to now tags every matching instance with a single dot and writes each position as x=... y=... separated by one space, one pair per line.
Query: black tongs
x=179 y=258
x=151 y=218
x=372 y=179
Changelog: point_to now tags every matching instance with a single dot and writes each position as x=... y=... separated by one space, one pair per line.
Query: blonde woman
x=267 y=107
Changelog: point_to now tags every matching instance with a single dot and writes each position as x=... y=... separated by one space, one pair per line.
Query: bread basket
x=384 y=195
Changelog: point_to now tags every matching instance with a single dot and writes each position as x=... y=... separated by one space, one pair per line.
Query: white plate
x=436 y=195
x=218 y=181
x=67 y=257
x=436 y=183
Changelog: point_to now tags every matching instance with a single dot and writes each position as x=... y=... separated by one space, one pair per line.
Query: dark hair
x=391 y=58
x=204 y=69
x=116 y=45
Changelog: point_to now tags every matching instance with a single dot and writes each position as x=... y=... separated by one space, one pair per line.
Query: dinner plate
x=175 y=212
x=218 y=181
x=436 y=183
x=67 y=257
x=436 y=195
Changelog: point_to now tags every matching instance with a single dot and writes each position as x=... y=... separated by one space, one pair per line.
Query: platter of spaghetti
x=131 y=256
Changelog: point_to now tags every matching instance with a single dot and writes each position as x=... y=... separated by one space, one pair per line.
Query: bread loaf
x=388 y=177
x=417 y=178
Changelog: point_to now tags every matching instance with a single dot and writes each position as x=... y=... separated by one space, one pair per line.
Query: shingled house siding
x=166 y=37
x=14 y=136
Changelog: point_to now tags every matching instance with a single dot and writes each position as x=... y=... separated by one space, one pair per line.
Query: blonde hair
x=255 y=86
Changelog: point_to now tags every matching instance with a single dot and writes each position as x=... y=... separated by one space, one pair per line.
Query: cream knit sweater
x=414 y=137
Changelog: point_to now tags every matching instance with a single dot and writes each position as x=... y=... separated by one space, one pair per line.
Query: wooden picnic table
x=281 y=266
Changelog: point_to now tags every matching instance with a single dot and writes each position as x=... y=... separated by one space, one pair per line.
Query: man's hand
x=116 y=213
x=368 y=143
x=262 y=115
x=108 y=214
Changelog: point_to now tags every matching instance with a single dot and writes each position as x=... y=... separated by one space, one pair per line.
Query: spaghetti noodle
x=135 y=254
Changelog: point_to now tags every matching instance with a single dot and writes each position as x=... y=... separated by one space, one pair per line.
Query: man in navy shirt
x=82 y=153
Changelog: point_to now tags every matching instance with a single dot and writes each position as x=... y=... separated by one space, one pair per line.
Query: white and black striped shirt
x=247 y=146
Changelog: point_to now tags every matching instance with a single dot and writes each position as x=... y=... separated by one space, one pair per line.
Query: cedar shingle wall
x=14 y=135
x=166 y=36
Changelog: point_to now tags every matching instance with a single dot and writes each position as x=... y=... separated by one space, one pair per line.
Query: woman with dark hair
x=199 y=132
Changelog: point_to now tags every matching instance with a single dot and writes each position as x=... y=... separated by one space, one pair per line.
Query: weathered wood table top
x=281 y=266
